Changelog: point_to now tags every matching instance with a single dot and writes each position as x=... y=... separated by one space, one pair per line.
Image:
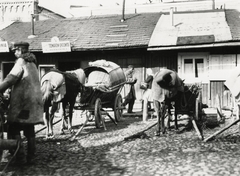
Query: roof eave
x=208 y=45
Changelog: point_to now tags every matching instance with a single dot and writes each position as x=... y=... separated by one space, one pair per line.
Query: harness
x=184 y=101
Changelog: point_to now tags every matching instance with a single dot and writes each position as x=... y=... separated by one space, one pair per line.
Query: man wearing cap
x=26 y=106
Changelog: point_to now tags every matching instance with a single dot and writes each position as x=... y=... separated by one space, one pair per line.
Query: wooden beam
x=222 y=130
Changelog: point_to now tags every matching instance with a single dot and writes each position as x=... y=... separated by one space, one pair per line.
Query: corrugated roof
x=87 y=33
x=209 y=26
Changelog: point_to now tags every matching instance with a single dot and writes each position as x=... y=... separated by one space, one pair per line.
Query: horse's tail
x=46 y=89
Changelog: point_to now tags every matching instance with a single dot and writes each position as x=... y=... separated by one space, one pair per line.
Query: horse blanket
x=166 y=83
x=58 y=82
x=233 y=83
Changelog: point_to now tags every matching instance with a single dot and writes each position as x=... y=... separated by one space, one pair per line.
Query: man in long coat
x=26 y=106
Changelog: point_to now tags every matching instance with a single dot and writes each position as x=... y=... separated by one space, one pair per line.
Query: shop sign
x=56 y=47
x=4 y=47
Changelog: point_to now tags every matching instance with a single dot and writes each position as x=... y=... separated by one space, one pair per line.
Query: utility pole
x=123 y=12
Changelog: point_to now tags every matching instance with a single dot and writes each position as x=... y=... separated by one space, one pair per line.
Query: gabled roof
x=94 y=33
x=192 y=28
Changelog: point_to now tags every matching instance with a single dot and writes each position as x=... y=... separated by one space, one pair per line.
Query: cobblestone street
x=99 y=152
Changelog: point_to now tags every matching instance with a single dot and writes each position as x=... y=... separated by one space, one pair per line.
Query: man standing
x=129 y=88
x=26 y=106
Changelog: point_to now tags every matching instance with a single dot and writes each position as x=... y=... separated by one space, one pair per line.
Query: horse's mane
x=46 y=89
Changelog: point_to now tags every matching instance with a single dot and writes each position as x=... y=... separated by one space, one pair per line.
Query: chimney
x=123 y=12
x=171 y=17
x=213 y=4
x=32 y=26
x=32 y=22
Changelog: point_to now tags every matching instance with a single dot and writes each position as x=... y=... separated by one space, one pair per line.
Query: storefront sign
x=56 y=47
x=4 y=47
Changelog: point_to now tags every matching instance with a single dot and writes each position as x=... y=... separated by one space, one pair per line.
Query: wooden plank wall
x=160 y=59
x=217 y=88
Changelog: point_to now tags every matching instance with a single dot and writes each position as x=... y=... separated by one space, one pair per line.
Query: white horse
x=61 y=87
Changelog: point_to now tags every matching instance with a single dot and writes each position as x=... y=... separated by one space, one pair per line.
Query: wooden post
x=222 y=130
x=145 y=110
x=219 y=108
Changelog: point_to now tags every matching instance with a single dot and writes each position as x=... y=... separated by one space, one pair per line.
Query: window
x=44 y=69
x=17 y=8
x=221 y=65
x=192 y=67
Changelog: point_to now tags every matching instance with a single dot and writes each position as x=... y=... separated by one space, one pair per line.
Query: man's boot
x=20 y=156
x=31 y=150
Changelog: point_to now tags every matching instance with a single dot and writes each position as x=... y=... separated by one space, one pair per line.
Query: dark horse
x=61 y=87
x=165 y=86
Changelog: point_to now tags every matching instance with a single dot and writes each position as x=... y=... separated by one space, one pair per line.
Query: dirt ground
x=111 y=152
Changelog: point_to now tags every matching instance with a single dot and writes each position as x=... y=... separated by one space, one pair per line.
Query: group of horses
x=75 y=84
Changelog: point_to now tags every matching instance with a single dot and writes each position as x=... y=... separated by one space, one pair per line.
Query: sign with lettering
x=56 y=47
x=4 y=47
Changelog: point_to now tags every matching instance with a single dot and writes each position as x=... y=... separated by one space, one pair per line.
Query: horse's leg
x=63 y=116
x=169 y=116
x=70 y=116
x=176 y=116
x=162 y=115
x=53 y=110
x=157 y=110
x=46 y=121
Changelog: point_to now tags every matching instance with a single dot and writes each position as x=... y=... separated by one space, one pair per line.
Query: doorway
x=6 y=68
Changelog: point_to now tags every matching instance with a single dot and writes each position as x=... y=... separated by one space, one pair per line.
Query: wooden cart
x=101 y=94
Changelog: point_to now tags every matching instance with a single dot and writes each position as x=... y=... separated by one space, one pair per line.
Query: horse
x=165 y=86
x=181 y=96
x=60 y=87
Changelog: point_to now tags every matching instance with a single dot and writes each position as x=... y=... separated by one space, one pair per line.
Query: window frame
x=45 y=66
x=194 y=56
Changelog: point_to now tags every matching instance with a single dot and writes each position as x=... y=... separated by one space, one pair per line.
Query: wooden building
x=205 y=46
x=201 y=46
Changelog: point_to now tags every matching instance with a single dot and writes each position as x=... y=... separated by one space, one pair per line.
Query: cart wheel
x=118 y=108
x=97 y=112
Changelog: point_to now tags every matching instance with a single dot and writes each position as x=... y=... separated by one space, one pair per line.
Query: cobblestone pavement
x=103 y=153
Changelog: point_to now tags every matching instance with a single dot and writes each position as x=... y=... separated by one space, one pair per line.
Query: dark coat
x=26 y=105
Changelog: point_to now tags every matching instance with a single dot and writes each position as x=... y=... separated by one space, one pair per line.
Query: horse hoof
x=157 y=133
x=71 y=130
x=62 y=132
x=49 y=136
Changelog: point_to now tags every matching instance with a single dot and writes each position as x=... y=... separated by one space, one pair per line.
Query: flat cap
x=17 y=45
